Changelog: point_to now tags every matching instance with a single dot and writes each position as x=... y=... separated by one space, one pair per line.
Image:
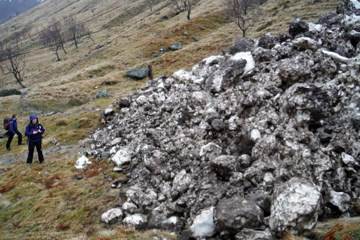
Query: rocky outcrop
x=245 y=145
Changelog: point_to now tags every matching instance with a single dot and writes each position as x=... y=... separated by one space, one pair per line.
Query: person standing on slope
x=13 y=129
x=34 y=132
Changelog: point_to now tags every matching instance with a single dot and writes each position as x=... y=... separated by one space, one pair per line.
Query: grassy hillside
x=131 y=35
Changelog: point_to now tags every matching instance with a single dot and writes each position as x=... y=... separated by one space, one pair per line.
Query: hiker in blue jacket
x=34 y=132
x=13 y=129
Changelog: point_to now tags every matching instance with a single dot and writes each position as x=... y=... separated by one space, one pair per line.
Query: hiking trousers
x=10 y=138
x=32 y=147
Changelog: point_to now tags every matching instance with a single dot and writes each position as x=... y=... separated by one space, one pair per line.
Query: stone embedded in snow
x=181 y=182
x=82 y=162
x=136 y=220
x=172 y=223
x=129 y=207
x=108 y=111
x=295 y=206
x=213 y=60
x=249 y=234
x=340 y=200
x=203 y=225
x=304 y=43
x=225 y=165
x=112 y=215
x=348 y=159
x=122 y=156
x=210 y=151
x=247 y=56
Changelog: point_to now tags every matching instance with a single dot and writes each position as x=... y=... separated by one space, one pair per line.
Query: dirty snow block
x=82 y=162
x=112 y=215
x=247 y=56
x=136 y=220
x=203 y=225
x=295 y=207
x=122 y=156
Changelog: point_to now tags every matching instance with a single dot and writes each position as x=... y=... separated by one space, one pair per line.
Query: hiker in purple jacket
x=12 y=130
x=34 y=132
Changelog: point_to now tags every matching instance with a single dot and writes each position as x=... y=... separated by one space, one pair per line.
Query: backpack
x=6 y=123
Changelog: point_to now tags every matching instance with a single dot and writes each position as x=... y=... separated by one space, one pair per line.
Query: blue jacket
x=34 y=132
x=13 y=126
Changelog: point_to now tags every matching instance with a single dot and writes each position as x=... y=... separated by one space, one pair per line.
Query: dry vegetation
x=131 y=36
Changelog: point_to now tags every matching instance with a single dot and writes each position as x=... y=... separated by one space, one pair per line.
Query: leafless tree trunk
x=52 y=37
x=15 y=59
x=76 y=30
x=238 y=10
x=183 y=6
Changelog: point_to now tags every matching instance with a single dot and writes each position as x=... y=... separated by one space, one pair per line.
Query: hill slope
x=126 y=34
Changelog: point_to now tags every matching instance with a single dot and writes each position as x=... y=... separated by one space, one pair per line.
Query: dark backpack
x=6 y=123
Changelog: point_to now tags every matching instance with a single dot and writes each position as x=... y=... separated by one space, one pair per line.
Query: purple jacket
x=34 y=132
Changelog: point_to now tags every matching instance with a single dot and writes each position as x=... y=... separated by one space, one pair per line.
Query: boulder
x=297 y=27
x=268 y=41
x=237 y=213
x=225 y=165
x=9 y=92
x=242 y=45
x=176 y=46
x=138 y=73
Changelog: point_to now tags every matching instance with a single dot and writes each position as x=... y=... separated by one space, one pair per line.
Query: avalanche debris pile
x=247 y=145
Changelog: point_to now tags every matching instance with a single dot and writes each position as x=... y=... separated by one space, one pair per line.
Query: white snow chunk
x=211 y=59
x=82 y=162
x=356 y=4
x=203 y=225
x=135 y=220
x=348 y=159
x=250 y=62
x=187 y=76
x=255 y=134
x=121 y=157
x=111 y=215
x=108 y=111
x=351 y=19
x=315 y=27
x=336 y=56
x=340 y=200
x=295 y=206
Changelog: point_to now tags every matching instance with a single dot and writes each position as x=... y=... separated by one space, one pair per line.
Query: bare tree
x=183 y=6
x=151 y=4
x=52 y=37
x=76 y=30
x=238 y=10
x=15 y=60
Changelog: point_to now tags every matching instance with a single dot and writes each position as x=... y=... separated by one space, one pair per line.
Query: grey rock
x=138 y=73
x=237 y=213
